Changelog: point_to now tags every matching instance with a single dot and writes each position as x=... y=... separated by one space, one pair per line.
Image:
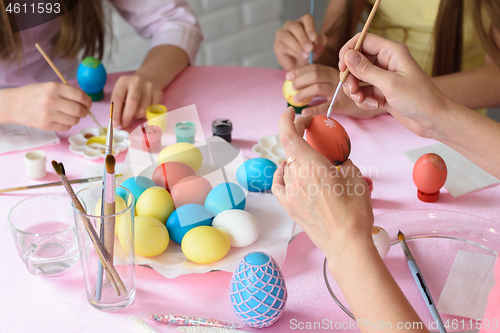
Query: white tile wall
x=237 y=33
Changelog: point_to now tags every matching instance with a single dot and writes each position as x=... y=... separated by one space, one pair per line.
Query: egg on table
x=183 y=152
x=329 y=138
x=168 y=174
x=136 y=185
x=186 y=218
x=155 y=202
x=382 y=240
x=241 y=226
x=225 y=196
x=256 y=174
x=257 y=290
x=205 y=245
x=429 y=175
x=192 y=189
x=150 y=236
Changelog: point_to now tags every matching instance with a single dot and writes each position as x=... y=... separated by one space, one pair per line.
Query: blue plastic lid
x=257 y=258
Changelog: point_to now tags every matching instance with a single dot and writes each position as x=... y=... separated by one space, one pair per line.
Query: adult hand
x=132 y=95
x=398 y=84
x=47 y=106
x=295 y=40
x=332 y=206
x=319 y=80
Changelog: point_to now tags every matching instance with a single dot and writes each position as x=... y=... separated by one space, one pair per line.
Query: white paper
x=463 y=175
x=18 y=137
x=465 y=293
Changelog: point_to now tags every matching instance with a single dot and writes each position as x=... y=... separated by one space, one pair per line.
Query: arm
x=175 y=38
x=339 y=224
x=402 y=88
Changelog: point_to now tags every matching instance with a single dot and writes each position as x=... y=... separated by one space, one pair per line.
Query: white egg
x=382 y=241
x=242 y=227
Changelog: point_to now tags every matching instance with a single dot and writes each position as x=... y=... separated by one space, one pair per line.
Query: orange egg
x=168 y=174
x=429 y=175
x=329 y=138
x=191 y=190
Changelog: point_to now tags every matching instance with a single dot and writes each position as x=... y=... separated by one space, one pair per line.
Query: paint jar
x=184 y=131
x=146 y=138
x=223 y=128
x=157 y=115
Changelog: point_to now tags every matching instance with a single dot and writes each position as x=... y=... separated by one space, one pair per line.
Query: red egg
x=191 y=190
x=429 y=175
x=168 y=174
x=329 y=138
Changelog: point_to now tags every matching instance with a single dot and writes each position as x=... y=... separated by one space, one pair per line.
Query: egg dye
x=186 y=218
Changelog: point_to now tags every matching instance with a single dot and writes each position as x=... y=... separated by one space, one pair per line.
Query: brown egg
x=329 y=138
x=429 y=175
x=191 y=190
x=168 y=174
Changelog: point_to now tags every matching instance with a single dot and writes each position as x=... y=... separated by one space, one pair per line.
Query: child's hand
x=295 y=40
x=48 y=106
x=132 y=95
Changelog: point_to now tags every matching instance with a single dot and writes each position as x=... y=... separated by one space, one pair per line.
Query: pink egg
x=191 y=190
x=168 y=174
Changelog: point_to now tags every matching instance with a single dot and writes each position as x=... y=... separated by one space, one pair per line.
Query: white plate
x=79 y=143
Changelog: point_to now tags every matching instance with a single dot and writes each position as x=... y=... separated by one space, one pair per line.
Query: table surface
x=252 y=99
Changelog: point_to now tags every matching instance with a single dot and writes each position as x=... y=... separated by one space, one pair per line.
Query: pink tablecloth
x=252 y=99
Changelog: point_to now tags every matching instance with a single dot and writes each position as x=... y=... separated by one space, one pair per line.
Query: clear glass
x=123 y=249
x=44 y=234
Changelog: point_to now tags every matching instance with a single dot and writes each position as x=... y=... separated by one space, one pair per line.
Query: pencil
x=419 y=280
x=61 y=77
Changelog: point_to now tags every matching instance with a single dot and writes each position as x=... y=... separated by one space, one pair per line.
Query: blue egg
x=91 y=77
x=258 y=291
x=225 y=196
x=185 y=218
x=256 y=174
x=136 y=185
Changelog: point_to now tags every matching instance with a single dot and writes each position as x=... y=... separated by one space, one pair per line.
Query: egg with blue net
x=257 y=290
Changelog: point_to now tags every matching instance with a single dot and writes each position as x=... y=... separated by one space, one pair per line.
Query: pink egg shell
x=191 y=190
x=173 y=172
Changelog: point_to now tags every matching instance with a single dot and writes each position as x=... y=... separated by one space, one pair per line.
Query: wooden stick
x=74 y=181
x=109 y=206
x=61 y=77
x=116 y=281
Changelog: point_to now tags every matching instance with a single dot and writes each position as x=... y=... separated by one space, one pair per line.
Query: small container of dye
x=157 y=116
x=223 y=128
x=184 y=131
x=147 y=138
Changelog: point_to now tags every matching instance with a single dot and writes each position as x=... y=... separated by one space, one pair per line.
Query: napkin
x=18 y=137
x=466 y=290
x=463 y=175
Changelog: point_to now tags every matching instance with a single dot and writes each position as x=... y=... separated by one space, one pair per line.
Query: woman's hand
x=398 y=84
x=319 y=80
x=132 y=95
x=332 y=206
x=47 y=106
x=295 y=40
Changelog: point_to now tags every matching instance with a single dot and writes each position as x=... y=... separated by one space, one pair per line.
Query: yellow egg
x=120 y=206
x=289 y=93
x=205 y=245
x=183 y=152
x=150 y=236
x=155 y=202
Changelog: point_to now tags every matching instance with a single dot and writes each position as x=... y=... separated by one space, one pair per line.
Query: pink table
x=252 y=99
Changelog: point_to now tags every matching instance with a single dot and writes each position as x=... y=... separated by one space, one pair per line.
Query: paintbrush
x=419 y=280
x=357 y=47
x=311 y=11
x=109 y=206
x=74 y=181
x=102 y=229
x=115 y=280
x=61 y=77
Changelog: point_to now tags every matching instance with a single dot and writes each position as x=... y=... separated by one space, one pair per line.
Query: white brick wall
x=237 y=33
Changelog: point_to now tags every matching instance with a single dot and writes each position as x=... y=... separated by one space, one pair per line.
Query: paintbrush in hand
x=115 y=280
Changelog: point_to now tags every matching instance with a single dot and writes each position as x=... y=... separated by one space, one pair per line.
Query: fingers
x=146 y=100
x=309 y=27
x=132 y=103
x=76 y=95
x=316 y=110
x=118 y=98
x=301 y=123
x=278 y=187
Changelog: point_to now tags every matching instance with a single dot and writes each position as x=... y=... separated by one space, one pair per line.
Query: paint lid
x=222 y=126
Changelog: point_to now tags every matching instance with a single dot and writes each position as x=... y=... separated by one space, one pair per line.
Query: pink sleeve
x=491 y=320
x=164 y=22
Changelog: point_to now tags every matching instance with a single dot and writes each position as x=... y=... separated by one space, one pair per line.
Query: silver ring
x=290 y=160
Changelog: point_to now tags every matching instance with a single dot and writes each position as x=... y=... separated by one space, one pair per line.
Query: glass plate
x=434 y=237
